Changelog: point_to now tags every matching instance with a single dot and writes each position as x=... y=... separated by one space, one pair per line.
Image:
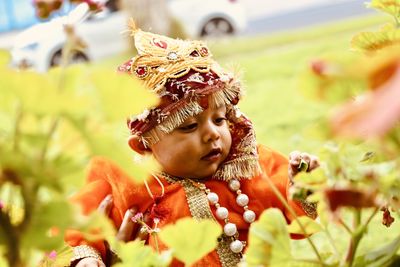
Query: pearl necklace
x=222 y=213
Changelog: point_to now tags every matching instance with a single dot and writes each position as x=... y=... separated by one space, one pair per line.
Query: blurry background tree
x=150 y=15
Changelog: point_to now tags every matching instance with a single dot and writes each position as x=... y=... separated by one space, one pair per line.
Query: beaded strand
x=222 y=213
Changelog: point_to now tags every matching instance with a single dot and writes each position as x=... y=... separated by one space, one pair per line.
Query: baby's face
x=197 y=147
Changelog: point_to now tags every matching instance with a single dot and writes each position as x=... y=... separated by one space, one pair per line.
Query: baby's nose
x=211 y=133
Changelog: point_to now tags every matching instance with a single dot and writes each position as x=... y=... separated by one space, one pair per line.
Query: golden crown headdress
x=161 y=58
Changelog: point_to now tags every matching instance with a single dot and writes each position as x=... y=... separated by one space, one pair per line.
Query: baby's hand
x=126 y=230
x=90 y=262
x=300 y=161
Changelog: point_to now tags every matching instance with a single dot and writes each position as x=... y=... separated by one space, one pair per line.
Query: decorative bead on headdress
x=187 y=80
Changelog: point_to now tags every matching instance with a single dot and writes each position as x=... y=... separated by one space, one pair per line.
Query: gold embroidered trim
x=85 y=251
x=200 y=209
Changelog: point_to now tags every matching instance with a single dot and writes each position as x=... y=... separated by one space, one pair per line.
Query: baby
x=212 y=167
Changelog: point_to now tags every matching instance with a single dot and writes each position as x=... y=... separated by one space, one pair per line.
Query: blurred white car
x=39 y=47
x=204 y=18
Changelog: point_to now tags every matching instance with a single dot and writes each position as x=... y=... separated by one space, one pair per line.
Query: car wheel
x=217 y=27
x=77 y=57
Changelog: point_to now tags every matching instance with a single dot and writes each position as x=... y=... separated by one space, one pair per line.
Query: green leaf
x=310 y=225
x=48 y=224
x=315 y=177
x=121 y=95
x=379 y=257
x=303 y=166
x=40 y=90
x=117 y=150
x=95 y=227
x=57 y=258
x=391 y=7
x=136 y=253
x=59 y=91
x=74 y=93
x=368 y=156
x=269 y=240
x=111 y=143
x=373 y=41
x=190 y=240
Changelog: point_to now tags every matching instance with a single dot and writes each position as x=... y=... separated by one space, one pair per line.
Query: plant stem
x=29 y=195
x=17 y=125
x=11 y=238
x=50 y=134
x=156 y=242
x=345 y=226
x=357 y=235
x=287 y=206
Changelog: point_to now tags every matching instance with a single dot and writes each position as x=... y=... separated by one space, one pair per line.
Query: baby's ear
x=135 y=143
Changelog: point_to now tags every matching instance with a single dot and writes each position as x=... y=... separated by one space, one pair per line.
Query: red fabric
x=106 y=178
x=178 y=93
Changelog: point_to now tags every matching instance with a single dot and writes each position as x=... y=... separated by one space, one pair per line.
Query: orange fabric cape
x=105 y=178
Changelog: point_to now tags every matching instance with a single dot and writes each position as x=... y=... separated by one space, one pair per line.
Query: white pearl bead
x=242 y=200
x=212 y=197
x=230 y=229
x=234 y=184
x=236 y=246
x=222 y=213
x=249 y=216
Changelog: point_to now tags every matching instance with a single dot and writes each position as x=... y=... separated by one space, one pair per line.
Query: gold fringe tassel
x=245 y=167
x=216 y=99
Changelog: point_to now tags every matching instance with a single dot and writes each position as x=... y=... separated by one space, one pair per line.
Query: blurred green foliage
x=52 y=124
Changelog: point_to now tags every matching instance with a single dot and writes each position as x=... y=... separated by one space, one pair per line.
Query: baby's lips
x=212 y=151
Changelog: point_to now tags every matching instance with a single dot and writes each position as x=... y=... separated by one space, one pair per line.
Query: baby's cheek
x=227 y=137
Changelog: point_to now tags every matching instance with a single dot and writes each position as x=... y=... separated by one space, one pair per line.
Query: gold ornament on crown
x=161 y=58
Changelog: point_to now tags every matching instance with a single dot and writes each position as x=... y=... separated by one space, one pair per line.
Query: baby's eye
x=220 y=120
x=189 y=127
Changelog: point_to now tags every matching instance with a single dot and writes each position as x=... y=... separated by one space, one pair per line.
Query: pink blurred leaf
x=372 y=114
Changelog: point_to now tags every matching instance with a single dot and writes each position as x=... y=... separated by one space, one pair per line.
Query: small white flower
x=143 y=116
x=156 y=230
x=224 y=78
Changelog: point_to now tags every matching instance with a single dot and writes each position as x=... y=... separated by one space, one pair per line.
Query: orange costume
x=105 y=178
x=187 y=81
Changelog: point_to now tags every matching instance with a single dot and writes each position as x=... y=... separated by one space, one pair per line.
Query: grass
x=254 y=44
